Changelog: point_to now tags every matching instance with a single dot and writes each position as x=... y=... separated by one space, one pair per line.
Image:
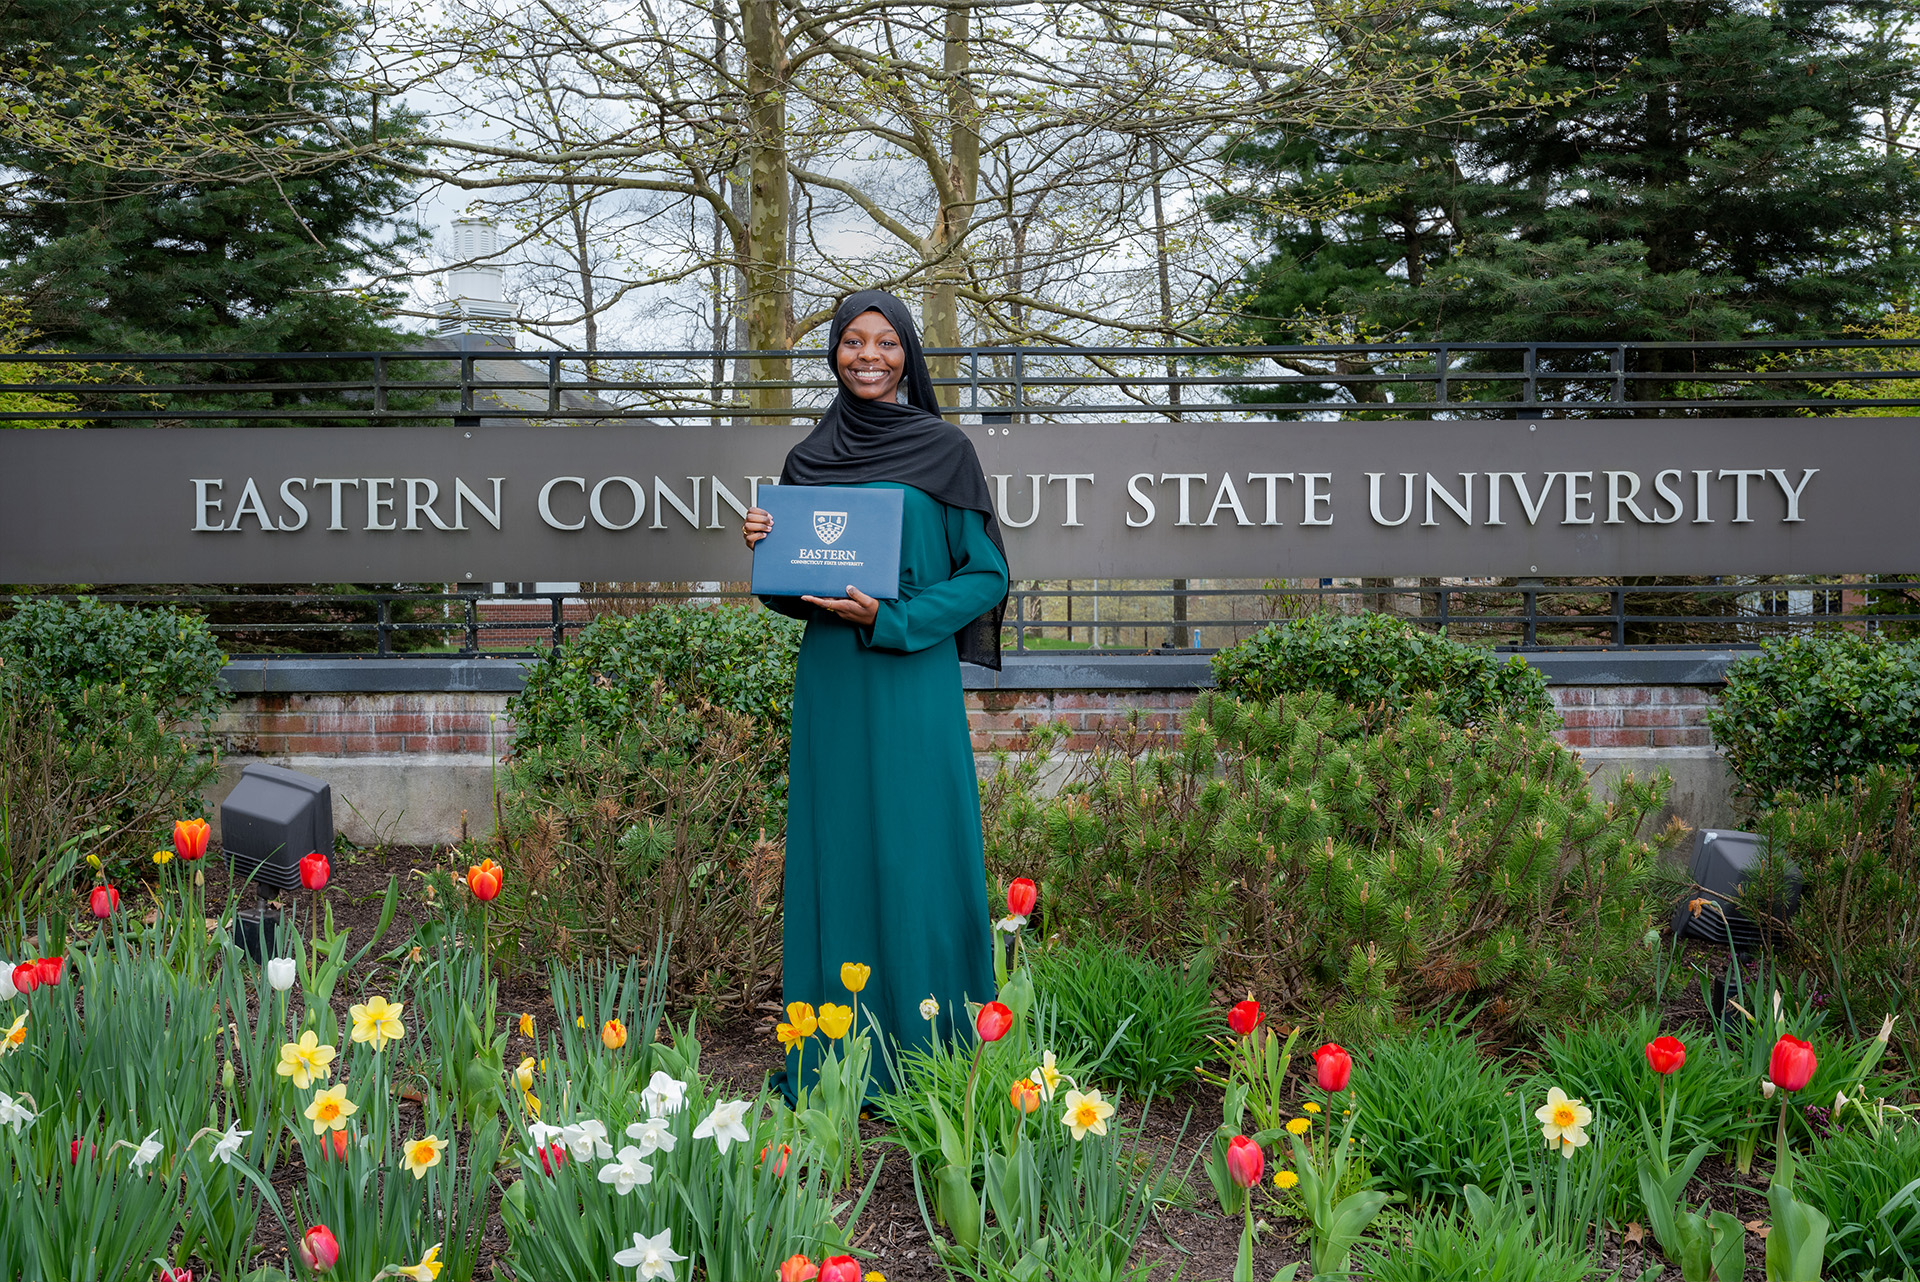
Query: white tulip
x=7 y=991
x=280 y=972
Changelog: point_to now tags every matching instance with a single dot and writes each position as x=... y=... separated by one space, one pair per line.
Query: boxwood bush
x=1809 y=711
x=1372 y=659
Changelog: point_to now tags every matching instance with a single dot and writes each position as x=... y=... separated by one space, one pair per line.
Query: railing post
x=1445 y=596
x=1618 y=364
x=473 y=622
x=1530 y=611
x=559 y=620
x=1441 y=371
x=385 y=618
x=1620 y=616
x=1019 y=384
x=553 y=384
x=379 y=385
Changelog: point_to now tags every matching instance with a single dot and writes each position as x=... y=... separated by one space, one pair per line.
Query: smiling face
x=871 y=357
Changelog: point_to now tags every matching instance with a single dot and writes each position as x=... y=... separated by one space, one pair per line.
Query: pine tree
x=146 y=262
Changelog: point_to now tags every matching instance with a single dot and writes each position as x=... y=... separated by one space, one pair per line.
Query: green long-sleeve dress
x=884 y=862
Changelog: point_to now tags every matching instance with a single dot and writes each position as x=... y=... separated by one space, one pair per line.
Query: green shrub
x=1371 y=659
x=1858 y=919
x=1809 y=711
x=103 y=739
x=1852 y=1178
x=1346 y=869
x=1169 y=1013
x=733 y=656
x=1429 y=1111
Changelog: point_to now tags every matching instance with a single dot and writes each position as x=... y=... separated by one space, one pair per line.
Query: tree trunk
x=940 y=303
x=767 y=304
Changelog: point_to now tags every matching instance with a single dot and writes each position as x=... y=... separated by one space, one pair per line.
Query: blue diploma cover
x=827 y=536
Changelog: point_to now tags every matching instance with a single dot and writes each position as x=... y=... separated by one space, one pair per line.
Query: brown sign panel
x=1081 y=500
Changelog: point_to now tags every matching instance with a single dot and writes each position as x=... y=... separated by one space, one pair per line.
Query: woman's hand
x=856 y=607
x=758 y=525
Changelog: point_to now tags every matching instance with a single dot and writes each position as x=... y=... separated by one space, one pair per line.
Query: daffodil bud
x=227 y=1077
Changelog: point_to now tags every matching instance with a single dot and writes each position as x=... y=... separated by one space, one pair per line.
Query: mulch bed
x=1190 y=1238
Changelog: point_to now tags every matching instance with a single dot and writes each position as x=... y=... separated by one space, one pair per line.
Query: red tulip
x=1333 y=1066
x=841 y=1268
x=26 y=977
x=1793 y=1063
x=1245 y=1017
x=338 y=1144
x=73 y=1152
x=798 y=1268
x=780 y=1163
x=314 y=871
x=558 y=1152
x=174 y=1275
x=104 y=901
x=484 y=879
x=48 y=970
x=1245 y=1161
x=190 y=838
x=319 y=1249
x=1666 y=1054
x=1021 y=895
x=993 y=1022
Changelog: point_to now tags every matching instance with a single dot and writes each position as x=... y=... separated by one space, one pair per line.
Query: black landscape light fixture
x=270 y=821
x=1723 y=863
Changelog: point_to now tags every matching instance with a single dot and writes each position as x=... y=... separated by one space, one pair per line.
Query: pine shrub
x=1351 y=866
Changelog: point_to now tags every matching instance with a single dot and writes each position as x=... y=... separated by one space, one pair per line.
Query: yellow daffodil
x=532 y=1103
x=580 y=1021
x=330 y=1110
x=1300 y=1125
x=422 y=1156
x=378 y=1022
x=1086 y=1112
x=526 y=1025
x=16 y=1035
x=1311 y=1107
x=835 y=1020
x=93 y=861
x=426 y=1271
x=163 y=857
x=1561 y=1121
x=853 y=976
x=801 y=1016
x=1285 y=1179
x=523 y=1075
x=305 y=1060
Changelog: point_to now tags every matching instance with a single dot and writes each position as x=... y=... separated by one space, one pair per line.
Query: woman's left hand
x=856 y=607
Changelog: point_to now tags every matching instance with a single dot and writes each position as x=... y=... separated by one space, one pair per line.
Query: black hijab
x=857 y=441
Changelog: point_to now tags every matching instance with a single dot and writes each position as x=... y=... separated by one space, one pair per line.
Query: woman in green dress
x=884 y=864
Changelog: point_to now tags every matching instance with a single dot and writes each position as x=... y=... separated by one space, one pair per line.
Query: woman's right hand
x=758 y=526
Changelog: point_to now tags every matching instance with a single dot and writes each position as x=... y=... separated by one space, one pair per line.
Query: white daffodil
x=543 y=1135
x=929 y=1009
x=628 y=1173
x=1047 y=1077
x=653 y=1136
x=724 y=1125
x=587 y=1139
x=1011 y=924
x=653 y=1256
x=229 y=1144
x=13 y=1113
x=1562 y=1121
x=148 y=1150
x=664 y=1096
x=280 y=972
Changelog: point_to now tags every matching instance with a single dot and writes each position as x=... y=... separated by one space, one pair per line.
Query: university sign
x=1078 y=500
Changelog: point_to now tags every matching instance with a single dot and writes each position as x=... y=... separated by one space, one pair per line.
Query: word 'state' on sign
x=1107 y=500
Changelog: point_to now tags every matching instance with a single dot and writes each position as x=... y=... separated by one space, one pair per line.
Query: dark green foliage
x=1809 y=711
x=1691 y=171
x=1868 y=1187
x=218 y=258
x=657 y=828
x=1858 y=921
x=103 y=742
x=1430 y=1105
x=1370 y=659
x=1443 y=1247
x=1348 y=869
x=733 y=656
x=1093 y=986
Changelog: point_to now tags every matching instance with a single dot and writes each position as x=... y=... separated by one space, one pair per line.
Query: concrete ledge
x=1054 y=670
x=419 y=799
x=1702 y=795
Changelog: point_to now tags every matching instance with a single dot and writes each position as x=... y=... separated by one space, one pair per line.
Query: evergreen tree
x=149 y=262
x=1700 y=171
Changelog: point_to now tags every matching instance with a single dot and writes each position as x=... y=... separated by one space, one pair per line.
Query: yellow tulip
x=788 y=1035
x=853 y=976
x=423 y=1155
x=613 y=1034
x=523 y=1075
x=835 y=1020
x=330 y=1110
x=526 y=1025
x=378 y=1022
x=801 y=1016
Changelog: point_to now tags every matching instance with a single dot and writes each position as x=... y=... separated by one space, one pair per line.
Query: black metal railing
x=1527 y=615
x=1030 y=384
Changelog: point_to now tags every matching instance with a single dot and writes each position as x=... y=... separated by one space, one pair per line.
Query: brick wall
x=351 y=725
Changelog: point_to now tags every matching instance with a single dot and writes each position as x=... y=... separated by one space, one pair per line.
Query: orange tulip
x=484 y=879
x=613 y=1034
x=190 y=838
x=1026 y=1095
